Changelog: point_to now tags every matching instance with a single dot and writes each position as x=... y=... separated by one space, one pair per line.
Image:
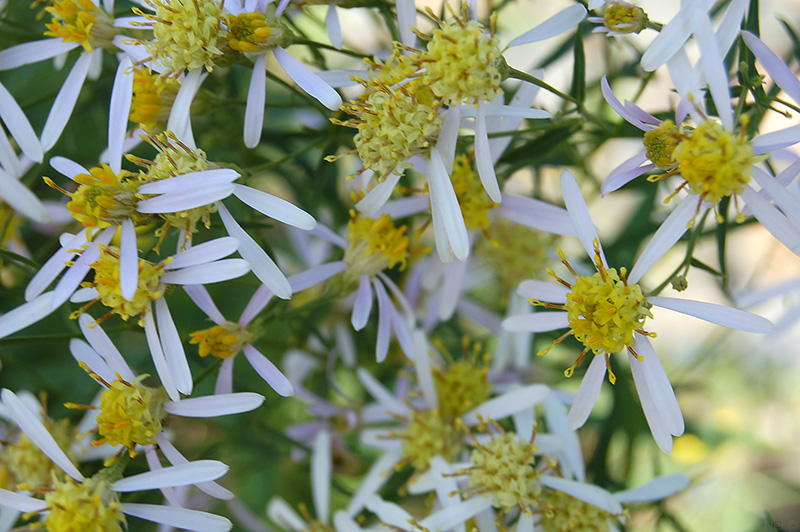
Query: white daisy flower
x=66 y=506
x=607 y=311
x=74 y=23
x=619 y=17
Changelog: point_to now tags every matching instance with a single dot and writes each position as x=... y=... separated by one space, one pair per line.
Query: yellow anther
x=89 y=505
x=622 y=17
x=222 y=341
x=256 y=32
x=131 y=413
x=661 y=143
x=81 y=21
x=375 y=245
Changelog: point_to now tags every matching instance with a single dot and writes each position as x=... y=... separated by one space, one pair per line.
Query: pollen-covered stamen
x=475 y=203
x=375 y=245
x=256 y=33
x=131 y=414
x=562 y=513
x=81 y=21
x=103 y=197
x=22 y=462
x=428 y=434
x=89 y=505
x=661 y=143
x=623 y=17
x=186 y=34
x=462 y=385
x=462 y=62
x=222 y=341
x=152 y=98
x=106 y=282
x=715 y=163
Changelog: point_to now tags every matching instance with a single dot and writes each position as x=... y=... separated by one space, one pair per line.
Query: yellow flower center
x=152 y=98
x=106 y=282
x=255 y=32
x=661 y=143
x=505 y=469
x=563 y=513
x=462 y=62
x=186 y=33
x=103 y=197
x=90 y=505
x=625 y=18
x=604 y=310
x=81 y=21
x=475 y=203
x=461 y=387
x=222 y=341
x=24 y=462
x=429 y=435
x=714 y=162
x=375 y=245
x=131 y=414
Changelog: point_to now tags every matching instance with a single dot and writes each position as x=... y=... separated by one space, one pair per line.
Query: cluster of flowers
x=436 y=104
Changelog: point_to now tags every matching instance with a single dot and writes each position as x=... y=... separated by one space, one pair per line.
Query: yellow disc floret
x=604 y=311
x=475 y=203
x=622 y=17
x=714 y=162
x=81 y=21
x=186 y=34
x=504 y=469
x=256 y=33
x=461 y=387
x=152 y=98
x=222 y=341
x=375 y=245
x=89 y=506
x=661 y=143
x=429 y=435
x=25 y=463
x=462 y=62
x=106 y=282
x=563 y=513
x=131 y=413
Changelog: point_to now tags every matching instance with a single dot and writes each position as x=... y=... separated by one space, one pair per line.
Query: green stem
x=524 y=76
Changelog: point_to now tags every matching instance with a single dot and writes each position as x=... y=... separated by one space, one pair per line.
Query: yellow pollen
x=563 y=513
x=375 y=245
x=505 y=469
x=714 y=162
x=462 y=62
x=661 y=143
x=24 y=462
x=88 y=506
x=103 y=197
x=625 y=18
x=461 y=387
x=256 y=33
x=106 y=282
x=152 y=98
x=475 y=203
x=80 y=21
x=186 y=34
x=429 y=435
x=222 y=341
x=131 y=414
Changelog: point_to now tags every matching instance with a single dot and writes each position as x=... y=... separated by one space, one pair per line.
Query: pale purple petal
x=378 y=391
x=555 y=25
x=445 y=209
x=651 y=411
x=103 y=345
x=593 y=495
x=268 y=371
x=483 y=158
x=224 y=382
x=118 y=113
x=213 y=272
x=33 y=52
x=67 y=167
x=185 y=200
x=157 y=354
x=712 y=61
x=21 y=199
x=621 y=110
x=19 y=502
x=725 y=316
x=280 y=512
x=128 y=260
x=173 y=348
x=450 y=516
x=774 y=65
x=65 y=101
x=257 y=302
x=535 y=214
x=579 y=213
x=316 y=275
x=783 y=138
x=182 y=518
x=307 y=80
x=384 y=321
x=184 y=182
x=626 y=172
x=256 y=96
x=54 y=265
x=788 y=202
x=507 y=404
x=72 y=279
x=335 y=35
x=176 y=458
x=406 y=19
x=587 y=393
x=377 y=197
x=82 y=352
x=388 y=512
x=404 y=207
x=401 y=331
x=215 y=405
x=178 y=475
x=669 y=40
x=179 y=115
x=659 y=386
x=363 y=304
x=453 y=284
x=448 y=135
x=543 y=291
x=203 y=253
x=18 y=126
x=536 y=322
x=655 y=490
x=275 y=207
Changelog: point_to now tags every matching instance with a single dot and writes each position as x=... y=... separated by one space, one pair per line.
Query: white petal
x=275 y=207
x=665 y=237
x=202 y=299
x=535 y=214
x=363 y=304
x=203 y=253
x=384 y=321
x=185 y=200
x=18 y=125
x=776 y=140
x=669 y=40
x=21 y=199
x=344 y=523
x=67 y=167
x=212 y=272
x=262 y=265
x=54 y=265
x=659 y=386
x=626 y=172
x=407 y=19
x=157 y=354
x=402 y=332
x=178 y=121
x=788 y=202
x=593 y=495
x=215 y=405
x=316 y=275
x=773 y=220
x=483 y=158
x=587 y=393
x=388 y=512
x=103 y=345
x=655 y=490
x=178 y=517
x=179 y=475
x=31 y=425
x=321 y=467
x=307 y=80
x=256 y=95
x=508 y=403
x=651 y=411
x=342 y=78
x=176 y=458
x=173 y=348
x=224 y=378
x=72 y=279
x=579 y=213
x=615 y=104
x=536 y=322
x=448 y=517
x=82 y=352
x=19 y=502
x=118 y=113
x=555 y=25
x=375 y=198
x=33 y=52
x=268 y=371
x=260 y=298
x=448 y=135
x=65 y=101
x=280 y=512
x=712 y=61
x=725 y=316
x=774 y=66
x=556 y=416
x=444 y=203
x=128 y=260
x=379 y=392
x=543 y=291
x=452 y=286
x=335 y=35
x=192 y=180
